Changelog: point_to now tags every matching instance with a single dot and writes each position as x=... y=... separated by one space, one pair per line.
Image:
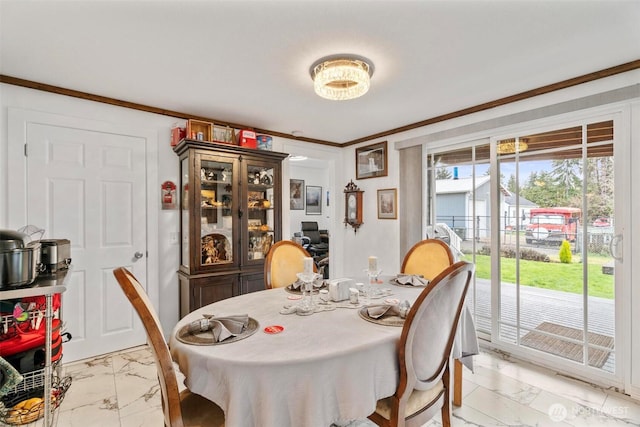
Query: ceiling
x=247 y=62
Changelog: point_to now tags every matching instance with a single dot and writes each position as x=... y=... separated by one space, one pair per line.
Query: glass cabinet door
x=214 y=211
x=184 y=212
x=261 y=218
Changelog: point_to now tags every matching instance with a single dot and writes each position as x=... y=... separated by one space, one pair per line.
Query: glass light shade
x=510 y=146
x=341 y=79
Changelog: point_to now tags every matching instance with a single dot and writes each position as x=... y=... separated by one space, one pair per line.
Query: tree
x=600 y=182
x=443 y=173
x=541 y=189
x=511 y=184
x=567 y=176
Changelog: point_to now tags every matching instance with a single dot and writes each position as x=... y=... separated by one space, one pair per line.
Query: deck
x=544 y=305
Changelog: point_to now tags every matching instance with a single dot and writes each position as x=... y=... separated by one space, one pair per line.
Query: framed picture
x=388 y=203
x=314 y=200
x=371 y=161
x=296 y=194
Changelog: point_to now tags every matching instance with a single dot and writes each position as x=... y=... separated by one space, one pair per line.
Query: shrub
x=565 y=252
x=510 y=252
x=533 y=255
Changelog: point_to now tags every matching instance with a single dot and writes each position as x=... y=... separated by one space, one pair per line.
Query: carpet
x=566 y=349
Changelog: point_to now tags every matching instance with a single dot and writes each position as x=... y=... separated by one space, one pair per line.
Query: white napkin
x=317 y=283
x=411 y=279
x=221 y=327
x=379 y=310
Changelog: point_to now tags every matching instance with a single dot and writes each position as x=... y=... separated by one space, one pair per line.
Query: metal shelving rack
x=45 y=285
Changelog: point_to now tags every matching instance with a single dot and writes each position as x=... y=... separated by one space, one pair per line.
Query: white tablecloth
x=328 y=367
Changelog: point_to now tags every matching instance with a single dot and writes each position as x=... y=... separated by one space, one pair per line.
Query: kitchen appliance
x=19 y=259
x=55 y=254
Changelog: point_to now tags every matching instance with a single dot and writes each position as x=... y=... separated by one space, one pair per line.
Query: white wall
x=161 y=269
x=375 y=237
x=314 y=176
x=325 y=169
x=349 y=250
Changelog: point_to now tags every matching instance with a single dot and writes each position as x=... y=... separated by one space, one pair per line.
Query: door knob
x=138 y=255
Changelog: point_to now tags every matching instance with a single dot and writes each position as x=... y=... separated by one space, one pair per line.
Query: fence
x=466 y=228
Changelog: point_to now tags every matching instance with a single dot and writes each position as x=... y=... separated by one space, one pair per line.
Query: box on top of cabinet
x=224 y=134
x=247 y=138
x=200 y=130
x=265 y=142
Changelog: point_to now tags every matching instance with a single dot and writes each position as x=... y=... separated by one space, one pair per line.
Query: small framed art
x=314 y=200
x=296 y=194
x=388 y=203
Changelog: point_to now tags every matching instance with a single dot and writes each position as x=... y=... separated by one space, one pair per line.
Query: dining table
x=290 y=370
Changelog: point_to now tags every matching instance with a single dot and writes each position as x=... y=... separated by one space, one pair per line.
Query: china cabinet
x=230 y=209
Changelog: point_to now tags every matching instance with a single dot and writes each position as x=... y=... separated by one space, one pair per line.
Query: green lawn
x=550 y=275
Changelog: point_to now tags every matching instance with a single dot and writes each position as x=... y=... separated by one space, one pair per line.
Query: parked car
x=602 y=222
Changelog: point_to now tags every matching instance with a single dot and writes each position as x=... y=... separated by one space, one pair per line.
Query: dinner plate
x=393 y=282
x=206 y=337
x=299 y=291
x=387 y=320
x=380 y=293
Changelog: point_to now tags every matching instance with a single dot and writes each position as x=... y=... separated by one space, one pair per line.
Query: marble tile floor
x=121 y=389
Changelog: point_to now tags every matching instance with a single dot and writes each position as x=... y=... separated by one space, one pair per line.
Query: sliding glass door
x=536 y=213
x=458 y=206
x=557 y=232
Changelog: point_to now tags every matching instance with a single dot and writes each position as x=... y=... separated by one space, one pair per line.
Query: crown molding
x=596 y=75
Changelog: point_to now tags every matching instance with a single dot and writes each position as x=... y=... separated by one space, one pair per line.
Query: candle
x=308 y=265
x=373 y=263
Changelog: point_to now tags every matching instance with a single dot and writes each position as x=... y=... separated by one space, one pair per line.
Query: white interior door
x=89 y=187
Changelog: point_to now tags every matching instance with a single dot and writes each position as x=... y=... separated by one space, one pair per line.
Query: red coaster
x=273 y=329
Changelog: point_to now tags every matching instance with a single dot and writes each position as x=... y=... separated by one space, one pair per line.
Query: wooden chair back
x=427 y=258
x=284 y=260
x=180 y=409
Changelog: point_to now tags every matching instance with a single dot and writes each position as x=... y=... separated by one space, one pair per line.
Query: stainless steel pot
x=19 y=259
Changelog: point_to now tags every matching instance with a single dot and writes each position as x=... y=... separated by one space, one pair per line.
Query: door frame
x=620 y=116
x=620 y=112
x=17 y=120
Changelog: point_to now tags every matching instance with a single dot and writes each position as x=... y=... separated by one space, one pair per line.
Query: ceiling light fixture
x=341 y=77
x=511 y=146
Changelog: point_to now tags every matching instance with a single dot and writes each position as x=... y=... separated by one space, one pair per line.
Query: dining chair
x=424 y=351
x=181 y=409
x=428 y=258
x=284 y=260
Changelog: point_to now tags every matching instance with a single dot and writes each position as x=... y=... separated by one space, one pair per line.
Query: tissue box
x=339 y=289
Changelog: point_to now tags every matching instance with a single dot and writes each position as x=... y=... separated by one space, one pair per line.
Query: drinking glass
x=307 y=304
x=373 y=278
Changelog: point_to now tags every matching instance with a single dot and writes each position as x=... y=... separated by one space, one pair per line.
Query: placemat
x=206 y=337
x=387 y=320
